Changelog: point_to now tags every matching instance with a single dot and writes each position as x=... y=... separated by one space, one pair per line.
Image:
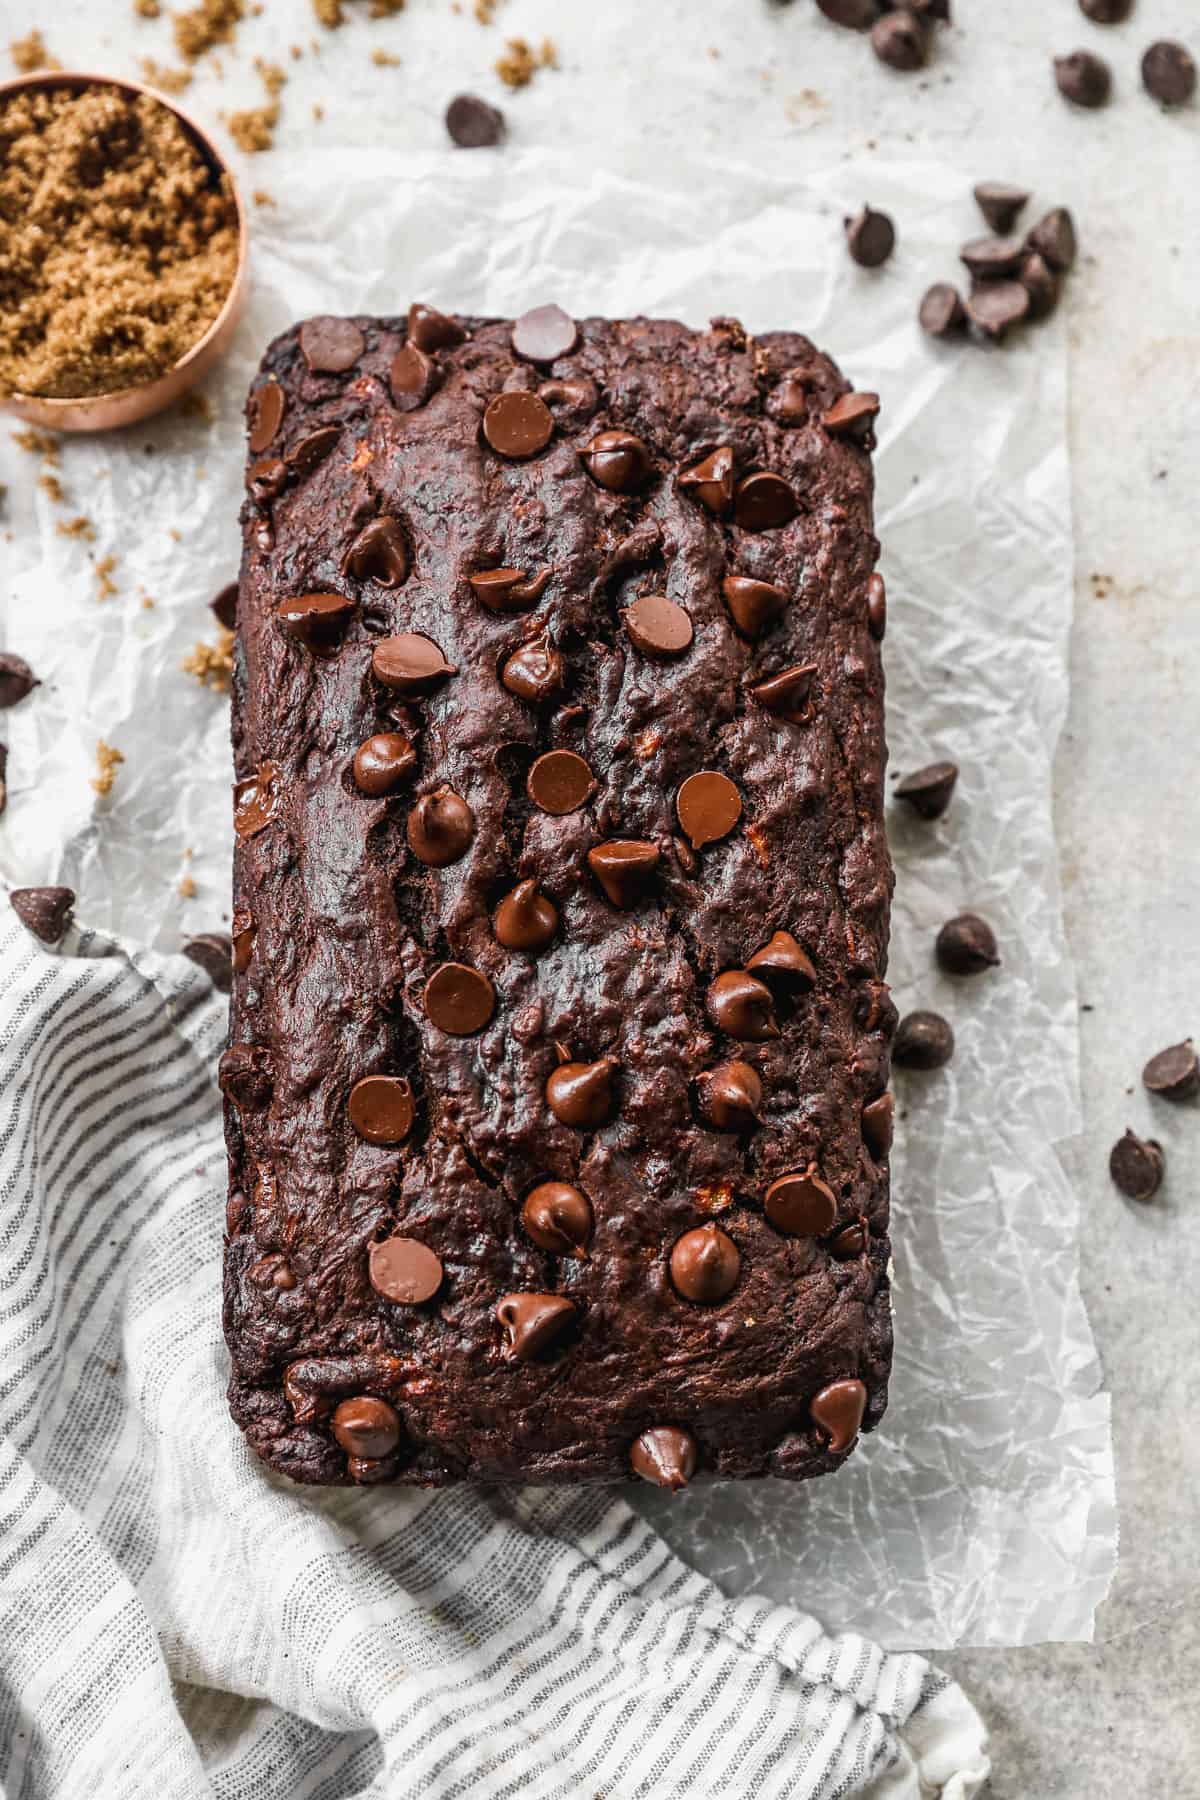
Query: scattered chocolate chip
x=730 y=1095
x=624 y=867
x=46 y=911
x=989 y=258
x=857 y=15
x=312 y=449
x=315 y=620
x=753 y=604
x=1054 y=238
x=1174 y=1074
x=900 y=40
x=379 y=553
x=879 y=1125
x=224 y=607
x=928 y=790
x=366 y=1428
x=473 y=124
x=837 y=1412
x=544 y=334
x=559 y=782
x=781 y=961
x=877 y=606
x=853 y=416
x=256 y=800
x=616 y=460
x=966 y=945
x=1137 y=1166
x=430 y=329
x=16 y=678
x=517 y=424
x=440 y=828
x=850 y=1242
x=266 y=409
x=459 y=1000
x=243 y=939
x=942 y=311
x=381 y=1108
x=404 y=1270
x=534 y=672
x=665 y=1455
x=412 y=377
x=924 y=1040
x=705 y=1265
x=801 y=1204
x=1106 y=12
x=382 y=761
x=410 y=663
x=578 y=395
x=212 y=951
x=1083 y=78
x=740 y=1005
x=786 y=694
x=532 y=1322
x=710 y=481
x=331 y=346
x=658 y=626
x=764 y=502
x=708 y=806
x=1040 y=283
x=581 y=1094
x=525 y=919
x=996 y=306
x=1000 y=204
x=1169 y=73
x=558 y=1217
x=509 y=590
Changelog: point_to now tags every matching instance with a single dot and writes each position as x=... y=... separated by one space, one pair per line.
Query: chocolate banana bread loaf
x=556 y=1096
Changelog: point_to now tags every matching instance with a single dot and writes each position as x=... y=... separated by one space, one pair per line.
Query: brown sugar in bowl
x=108 y=412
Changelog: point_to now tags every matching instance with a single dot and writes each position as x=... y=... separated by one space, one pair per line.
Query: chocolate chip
x=473 y=124
x=1054 y=238
x=753 y=604
x=331 y=346
x=1169 y=73
x=312 y=449
x=879 y=1125
x=381 y=1108
x=46 y=911
x=658 y=626
x=366 y=1428
x=1000 y=204
x=224 y=607
x=850 y=1242
x=782 y=962
x=996 y=306
x=3 y=777
x=942 y=311
x=710 y=481
x=1040 y=283
x=16 y=678
x=532 y=1322
x=379 y=553
x=708 y=806
x=624 y=867
x=382 y=761
x=315 y=620
x=534 y=672
x=837 y=1412
x=459 y=1000
x=256 y=800
x=412 y=377
x=525 y=919
x=924 y=1040
x=966 y=945
x=1137 y=1166
x=1106 y=12
x=517 y=424
x=705 y=1265
x=664 y=1455
x=243 y=939
x=764 y=502
x=266 y=479
x=245 y=1075
x=440 y=828
x=740 y=1005
x=852 y=416
x=786 y=694
x=404 y=1271
x=928 y=790
x=857 y=15
x=787 y=403
x=730 y=1096
x=900 y=40
x=577 y=396
x=870 y=238
x=1083 y=78
x=617 y=460
x=877 y=606
x=430 y=329
x=988 y=258
x=266 y=409
x=581 y=1094
x=509 y=590
x=685 y=856
x=559 y=782
x=558 y=1217
x=545 y=334
x=410 y=664
x=212 y=951
x=800 y=1203
x=1174 y=1073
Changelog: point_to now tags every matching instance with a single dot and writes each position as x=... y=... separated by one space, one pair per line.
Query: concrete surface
x=763 y=80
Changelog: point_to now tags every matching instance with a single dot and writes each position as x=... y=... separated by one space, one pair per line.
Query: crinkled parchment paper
x=983 y=1510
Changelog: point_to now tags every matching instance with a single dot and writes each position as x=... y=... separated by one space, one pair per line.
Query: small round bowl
x=106 y=412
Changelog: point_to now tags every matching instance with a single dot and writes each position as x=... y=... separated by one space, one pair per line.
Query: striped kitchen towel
x=177 y=1623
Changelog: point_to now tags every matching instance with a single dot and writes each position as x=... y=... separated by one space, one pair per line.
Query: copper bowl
x=105 y=412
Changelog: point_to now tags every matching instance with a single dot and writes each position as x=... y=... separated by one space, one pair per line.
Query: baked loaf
x=556 y=1093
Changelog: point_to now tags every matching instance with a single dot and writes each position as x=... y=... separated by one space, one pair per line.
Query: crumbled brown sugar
x=202 y=27
x=520 y=62
x=108 y=761
x=147 y=9
x=106 y=587
x=187 y=888
x=484 y=11
x=383 y=59
x=196 y=405
x=212 y=664
x=331 y=13
x=37 y=443
x=254 y=129
x=169 y=81
x=81 y=527
x=30 y=53
x=261 y=197
x=121 y=247
x=50 y=484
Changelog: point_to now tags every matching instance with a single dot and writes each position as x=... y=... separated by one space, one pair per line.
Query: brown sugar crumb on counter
x=30 y=54
x=146 y=9
x=169 y=81
x=254 y=129
x=331 y=13
x=520 y=62
x=50 y=484
x=202 y=28
x=106 y=587
x=187 y=889
x=108 y=761
x=37 y=443
x=212 y=664
x=261 y=197
x=80 y=527
x=383 y=59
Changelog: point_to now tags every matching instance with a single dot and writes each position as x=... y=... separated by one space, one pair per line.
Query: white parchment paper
x=983 y=1510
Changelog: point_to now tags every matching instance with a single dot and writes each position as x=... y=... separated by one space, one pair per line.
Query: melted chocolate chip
x=517 y=424
x=577 y=396
x=966 y=945
x=665 y=1455
x=658 y=626
x=430 y=329
x=410 y=664
x=928 y=790
x=1083 y=78
x=544 y=334
x=710 y=481
x=870 y=238
x=312 y=449
x=788 y=403
x=256 y=800
x=924 y=1040
x=853 y=416
x=315 y=620
x=1174 y=1074
x=787 y=694
x=412 y=378
x=243 y=939
x=730 y=1096
x=404 y=1271
x=878 y=1125
x=616 y=460
x=379 y=553
x=942 y=311
x=525 y=919
x=705 y=1265
x=245 y=1075
x=266 y=409
x=558 y=1217
x=581 y=1094
x=1137 y=1166
x=877 y=606
x=764 y=502
x=753 y=604
x=366 y=1428
x=559 y=782
x=509 y=590
x=801 y=1204
x=1054 y=238
x=1000 y=204
x=532 y=1322
x=624 y=867
x=382 y=761
x=381 y=1108
x=708 y=806
x=473 y=124
x=837 y=1412
x=440 y=828
x=459 y=1000
x=46 y=911
x=266 y=479
x=740 y=1005
x=534 y=672
x=331 y=346
x=850 y=1242
x=212 y=951
x=782 y=962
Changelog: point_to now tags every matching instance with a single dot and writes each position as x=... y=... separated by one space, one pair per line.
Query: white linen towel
x=176 y=1623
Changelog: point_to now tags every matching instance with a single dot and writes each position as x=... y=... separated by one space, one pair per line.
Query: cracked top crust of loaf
x=719 y=1320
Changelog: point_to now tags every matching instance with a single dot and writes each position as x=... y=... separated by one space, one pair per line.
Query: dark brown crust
x=347 y=924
